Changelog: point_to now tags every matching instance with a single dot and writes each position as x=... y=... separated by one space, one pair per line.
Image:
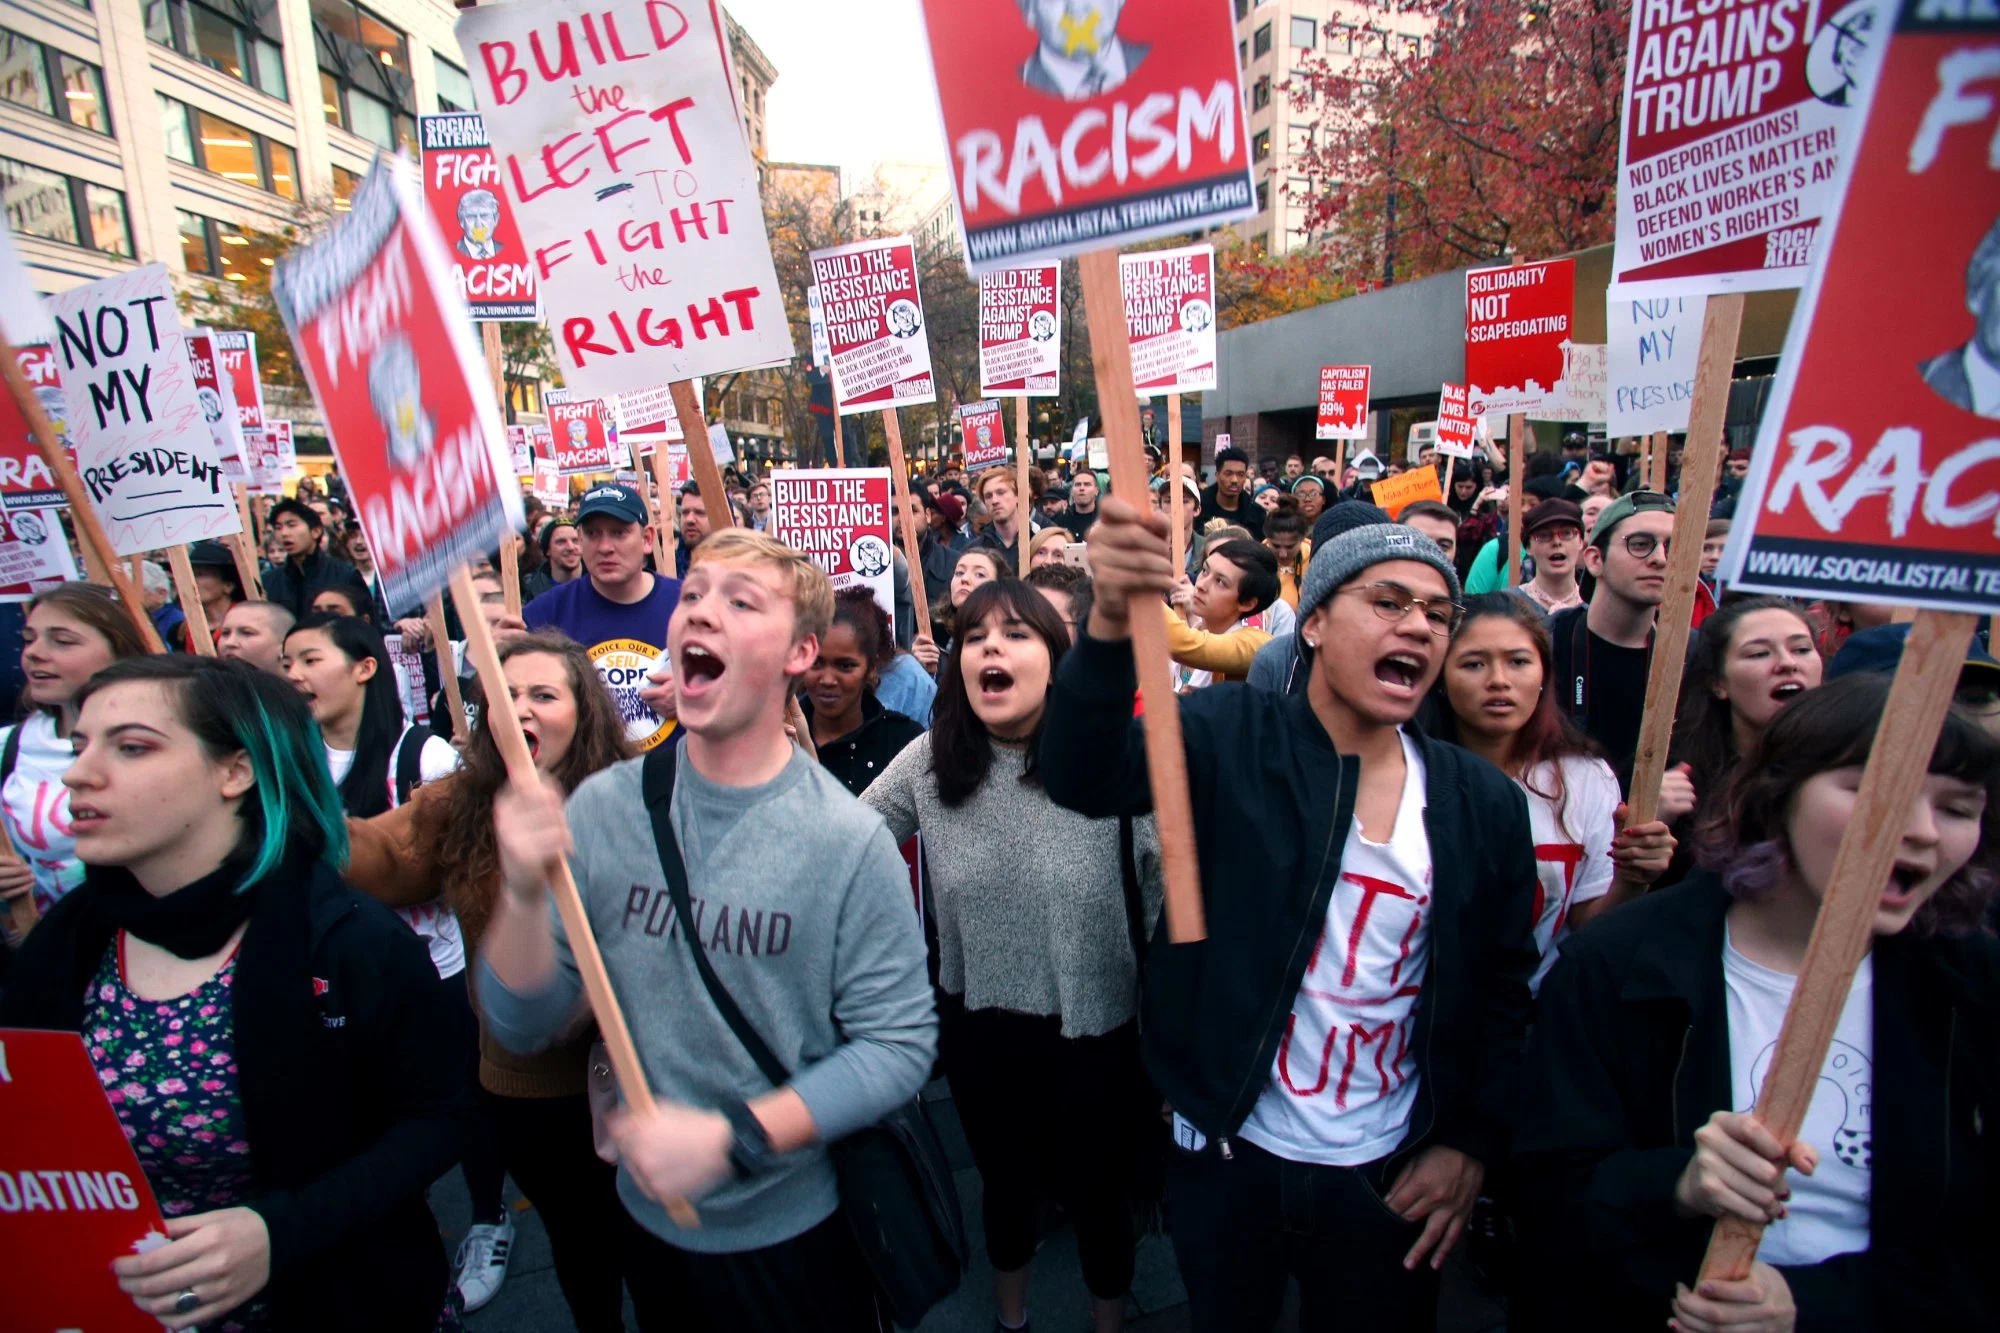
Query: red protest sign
x=1020 y=331
x=874 y=324
x=25 y=479
x=1876 y=476
x=1456 y=424
x=236 y=357
x=1517 y=321
x=212 y=390
x=1343 y=403
x=34 y=553
x=581 y=431
x=1089 y=124
x=72 y=1195
x=1734 y=123
x=1170 y=318
x=521 y=449
x=840 y=518
x=462 y=187
x=984 y=433
x=403 y=387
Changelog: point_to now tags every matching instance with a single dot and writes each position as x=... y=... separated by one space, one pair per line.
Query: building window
x=1243 y=8
x=1340 y=38
x=345 y=183
x=1305 y=32
x=1260 y=145
x=203 y=140
x=227 y=35
x=52 y=82
x=1413 y=48
x=1260 y=93
x=1242 y=55
x=1263 y=196
x=223 y=249
x=1260 y=41
x=364 y=74
x=454 y=88
x=61 y=208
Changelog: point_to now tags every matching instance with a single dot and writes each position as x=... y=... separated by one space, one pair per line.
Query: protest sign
x=648 y=412
x=550 y=488
x=521 y=448
x=1343 y=403
x=1876 y=475
x=822 y=354
x=236 y=359
x=34 y=553
x=282 y=450
x=72 y=1194
x=1170 y=318
x=462 y=187
x=1734 y=121
x=840 y=518
x=218 y=404
x=1517 y=327
x=1088 y=125
x=1020 y=331
x=874 y=324
x=1455 y=424
x=680 y=468
x=984 y=434
x=580 y=429
x=1406 y=488
x=1580 y=393
x=142 y=448
x=621 y=153
x=26 y=481
x=403 y=386
x=38 y=365
x=1649 y=364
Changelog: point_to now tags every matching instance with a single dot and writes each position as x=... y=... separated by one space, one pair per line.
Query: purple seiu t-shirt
x=625 y=641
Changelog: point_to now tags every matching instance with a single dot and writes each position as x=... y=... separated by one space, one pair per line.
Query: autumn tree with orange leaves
x=1499 y=136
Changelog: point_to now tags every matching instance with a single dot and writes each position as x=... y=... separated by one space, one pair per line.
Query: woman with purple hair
x=1655 y=1031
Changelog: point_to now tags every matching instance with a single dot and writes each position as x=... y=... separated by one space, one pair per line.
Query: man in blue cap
x=619 y=610
x=1881 y=649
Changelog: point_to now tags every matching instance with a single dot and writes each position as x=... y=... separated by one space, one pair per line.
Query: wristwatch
x=749 y=1146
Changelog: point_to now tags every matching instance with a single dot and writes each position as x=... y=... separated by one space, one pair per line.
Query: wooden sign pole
x=707 y=476
x=656 y=502
x=513 y=747
x=899 y=487
x=1699 y=464
x=510 y=545
x=1021 y=487
x=1177 y=511
x=448 y=669
x=191 y=607
x=90 y=532
x=1166 y=761
x=1933 y=656
x=240 y=547
x=1517 y=432
x=1661 y=440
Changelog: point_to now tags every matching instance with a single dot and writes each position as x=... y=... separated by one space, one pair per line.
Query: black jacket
x=1247 y=513
x=294 y=583
x=1273 y=802
x=348 y=1121
x=1630 y=1055
x=859 y=757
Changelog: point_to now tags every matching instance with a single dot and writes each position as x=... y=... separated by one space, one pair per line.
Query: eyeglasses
x=1641 y=545
x=1392 y=602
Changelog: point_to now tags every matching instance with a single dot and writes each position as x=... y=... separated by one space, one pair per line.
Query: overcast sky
x=854 y=83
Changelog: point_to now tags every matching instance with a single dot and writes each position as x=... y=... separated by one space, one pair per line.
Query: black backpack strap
x=657 y=787
x=410 y=762
x=1135 y=903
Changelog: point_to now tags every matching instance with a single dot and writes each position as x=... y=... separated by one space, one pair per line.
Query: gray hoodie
x=804 y=908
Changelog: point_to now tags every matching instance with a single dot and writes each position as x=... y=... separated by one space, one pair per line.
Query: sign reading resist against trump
x=840 y=518
x=1170 y=318
x=461 y=184
x=620 y=149
x=1076 y=125
x=408 y=404
x=1517 y=335
x=984 y=433
x=874 y=324
x=1020 y=331
x=1876 y=475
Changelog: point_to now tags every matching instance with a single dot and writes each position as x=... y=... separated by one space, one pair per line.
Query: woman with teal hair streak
x=274 y=1044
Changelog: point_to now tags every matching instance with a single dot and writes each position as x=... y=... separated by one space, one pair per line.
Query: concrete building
x=898 y=197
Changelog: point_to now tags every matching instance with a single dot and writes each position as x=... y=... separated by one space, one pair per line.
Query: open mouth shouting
x=1787 y=690
x=995 y=682
x=534 y=741
x=700 y=668
x=1904 y=881
x=1402 y=672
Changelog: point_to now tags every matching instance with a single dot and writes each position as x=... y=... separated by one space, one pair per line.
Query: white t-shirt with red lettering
x=1572 y=845
x=1345 y=1080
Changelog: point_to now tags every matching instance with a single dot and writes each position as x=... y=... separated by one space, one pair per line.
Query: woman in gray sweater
x=1036 y=968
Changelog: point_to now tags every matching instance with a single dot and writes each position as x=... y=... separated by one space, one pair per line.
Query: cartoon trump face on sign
x=905 y=319
x=1196 y=317
x=211 y=404
x=1080 y=53
x=869 y=557
x=478 y=219
x=1041 y=326
x=395 y=391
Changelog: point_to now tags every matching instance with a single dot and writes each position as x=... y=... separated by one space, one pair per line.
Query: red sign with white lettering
x=874 y=324
x=1343 y=403
x=236 y=357
x=25 y=479
x=580 y=429
x=984 y=434
x=72 y=1196
x=1456 y=424
x=1517 y=334
x=462 y=187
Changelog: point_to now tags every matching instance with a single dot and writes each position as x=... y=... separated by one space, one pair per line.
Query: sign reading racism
x=874 y=324
x=1170 y=318
x=1517 y=334
x=1076 y=125
x=1649 y=362
x=143 y=450
x=26 y=481
x=1734 y=118
x=1456 y=427
x=984 y=433
x=840 y=518
x=1343 y=403
x=620 y=149
x=581 y=430
x=1020 y=331
x=72 y=1196
x=236 y=360
x=403 y=387
x=214 y=391
x=1876 y=475
x=462 y=187
x=550 y=488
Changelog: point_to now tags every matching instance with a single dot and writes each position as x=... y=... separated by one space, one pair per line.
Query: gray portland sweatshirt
x=804 y=908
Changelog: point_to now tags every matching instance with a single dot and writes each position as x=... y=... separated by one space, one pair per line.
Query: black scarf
x=192 y=922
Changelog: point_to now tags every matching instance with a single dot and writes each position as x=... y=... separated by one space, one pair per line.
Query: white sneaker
x=482 y=1261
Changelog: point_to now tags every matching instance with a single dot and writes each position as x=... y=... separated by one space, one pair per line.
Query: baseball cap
x=620 y=502
x=211 y=555
x=1549 y=513
x=1880 y=648
x=1634 y=502
x=1366 y=464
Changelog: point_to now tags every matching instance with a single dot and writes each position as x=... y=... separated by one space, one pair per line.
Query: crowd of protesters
x=1453 y=996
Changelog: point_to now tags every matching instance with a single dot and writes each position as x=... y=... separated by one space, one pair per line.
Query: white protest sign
x=840 y=518
x=1650 y=364
x=1580 y=393
x=142 y=446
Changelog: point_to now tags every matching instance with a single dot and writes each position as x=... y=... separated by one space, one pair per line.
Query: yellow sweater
x=1226 y=656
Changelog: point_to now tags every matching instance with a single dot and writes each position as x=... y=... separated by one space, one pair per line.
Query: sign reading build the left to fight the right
x=1876 y=475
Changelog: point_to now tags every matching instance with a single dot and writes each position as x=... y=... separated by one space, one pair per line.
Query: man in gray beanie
x=1341 y=1051
x=1276 y=665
